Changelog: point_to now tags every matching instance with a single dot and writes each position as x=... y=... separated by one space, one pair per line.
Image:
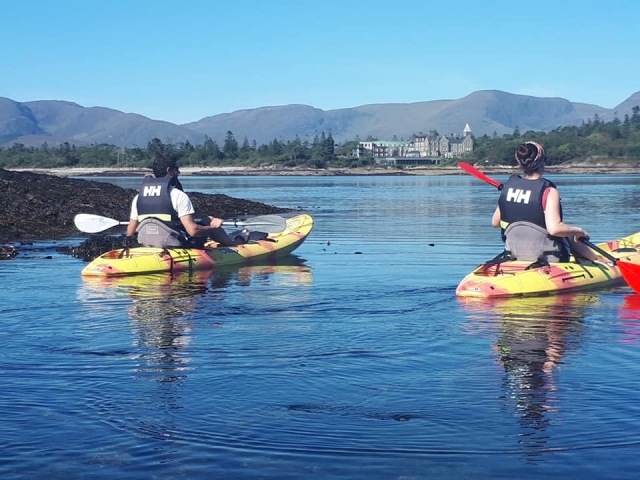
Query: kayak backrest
x=529 y=242
x=154 y=233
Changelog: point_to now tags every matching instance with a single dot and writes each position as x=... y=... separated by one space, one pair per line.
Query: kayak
x=516 y=278
x=147 y=260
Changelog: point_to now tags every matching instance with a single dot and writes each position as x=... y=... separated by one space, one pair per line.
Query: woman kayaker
x=162 y=214
x=530 y=214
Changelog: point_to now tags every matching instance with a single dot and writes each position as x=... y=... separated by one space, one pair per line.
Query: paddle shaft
x=630 y=271
x=90 y=223
x=602 y=252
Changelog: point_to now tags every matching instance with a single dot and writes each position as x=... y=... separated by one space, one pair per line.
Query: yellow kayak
x=514 y=278
x=146 y=260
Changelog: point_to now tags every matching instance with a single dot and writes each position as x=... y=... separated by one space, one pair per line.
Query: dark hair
x=530 y=156
x=163 y=161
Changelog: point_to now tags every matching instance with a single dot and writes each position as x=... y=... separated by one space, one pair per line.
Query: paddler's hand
x=580 y=233
x=215 y=222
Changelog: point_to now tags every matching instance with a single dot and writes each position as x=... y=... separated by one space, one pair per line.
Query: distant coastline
x=297 y=171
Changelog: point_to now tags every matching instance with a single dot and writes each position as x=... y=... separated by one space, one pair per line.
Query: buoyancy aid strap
x=497 y=260
x=163 y=217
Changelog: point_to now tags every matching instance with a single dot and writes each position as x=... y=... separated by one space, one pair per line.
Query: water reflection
x=171 y=318
x=534 y=337
x=629 y=315
x=162 y=308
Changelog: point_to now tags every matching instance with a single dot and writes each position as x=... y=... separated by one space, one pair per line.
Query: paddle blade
x=471 y=170
x=89 y=223
x=264 y=223
x=631 y=274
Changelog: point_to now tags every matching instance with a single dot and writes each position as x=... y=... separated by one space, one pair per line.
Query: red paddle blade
x=471 y=170
x=631 y=273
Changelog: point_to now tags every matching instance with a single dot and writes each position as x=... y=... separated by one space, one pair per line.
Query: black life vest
x=521 y=201
x=524 y=229
x=159 y=223
x=154 y=200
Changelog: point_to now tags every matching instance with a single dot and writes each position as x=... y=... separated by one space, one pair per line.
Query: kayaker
x=530 y=214
x=162 y=213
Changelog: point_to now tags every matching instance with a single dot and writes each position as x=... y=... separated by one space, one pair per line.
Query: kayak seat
x=155 y=233
x=528 y=242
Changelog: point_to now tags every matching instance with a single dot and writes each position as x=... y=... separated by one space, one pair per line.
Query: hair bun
x=530 y=155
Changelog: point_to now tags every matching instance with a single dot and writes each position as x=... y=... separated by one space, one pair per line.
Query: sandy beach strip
x=581 y=168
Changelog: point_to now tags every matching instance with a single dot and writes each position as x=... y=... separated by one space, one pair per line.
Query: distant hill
x=622 y=109
x=486 y=112
x=56 y=122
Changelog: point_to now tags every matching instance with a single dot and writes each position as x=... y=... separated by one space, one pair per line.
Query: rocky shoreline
x=38 y=206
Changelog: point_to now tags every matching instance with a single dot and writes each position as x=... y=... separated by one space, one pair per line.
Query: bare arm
x=133 y=218
x=558 y=228
x=131 y=228
x=495 y=220
x=195 y=230
x=555 y=226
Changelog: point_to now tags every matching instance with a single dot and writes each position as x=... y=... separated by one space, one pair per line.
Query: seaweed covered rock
x=8 y=252
x=96 y=245
x=37 y=206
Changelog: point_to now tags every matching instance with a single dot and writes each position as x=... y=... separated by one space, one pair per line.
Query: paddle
x=89 y=223
x=467 y=167
x=630 y=271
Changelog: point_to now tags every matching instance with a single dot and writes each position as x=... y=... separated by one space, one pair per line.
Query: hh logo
x=518 y=196
x=152 y=191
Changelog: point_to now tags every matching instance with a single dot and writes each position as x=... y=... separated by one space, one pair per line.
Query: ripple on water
x=344 y=365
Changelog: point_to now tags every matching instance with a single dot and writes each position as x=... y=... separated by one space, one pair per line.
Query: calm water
x=353 y=359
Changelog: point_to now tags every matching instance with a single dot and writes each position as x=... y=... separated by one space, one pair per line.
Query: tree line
x=319 y=153
x=594 y=140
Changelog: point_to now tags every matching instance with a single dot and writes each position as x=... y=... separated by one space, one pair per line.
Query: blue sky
x=181 y=61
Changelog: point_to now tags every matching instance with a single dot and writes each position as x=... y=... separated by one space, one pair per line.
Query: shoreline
x=296 y=171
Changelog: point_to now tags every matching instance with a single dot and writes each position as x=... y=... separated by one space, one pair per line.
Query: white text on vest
x=518 y=195
x=152 y=191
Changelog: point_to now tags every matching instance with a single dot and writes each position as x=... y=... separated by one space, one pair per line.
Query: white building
x=432 y=145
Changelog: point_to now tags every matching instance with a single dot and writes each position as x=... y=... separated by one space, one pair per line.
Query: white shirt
x=180 y=201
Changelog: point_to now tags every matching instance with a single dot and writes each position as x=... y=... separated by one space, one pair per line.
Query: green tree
x=230 y=148
x=211 y=152
x=155 y=147
x=245 y=149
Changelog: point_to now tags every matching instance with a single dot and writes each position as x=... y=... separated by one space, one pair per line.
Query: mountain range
x=487 y=112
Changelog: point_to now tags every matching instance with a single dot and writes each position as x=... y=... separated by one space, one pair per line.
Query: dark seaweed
x=36 y=206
